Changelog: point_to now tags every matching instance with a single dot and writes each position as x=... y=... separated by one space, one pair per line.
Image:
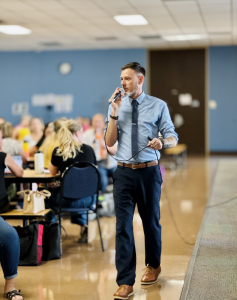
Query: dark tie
x=134 y=127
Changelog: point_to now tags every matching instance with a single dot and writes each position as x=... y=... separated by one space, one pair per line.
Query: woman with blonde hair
x=51 y=141
x=10 y=145
x=71 y=150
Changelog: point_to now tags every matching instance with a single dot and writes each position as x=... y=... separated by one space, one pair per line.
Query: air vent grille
x=51 y=44
x=107 y=38
x=150 y=37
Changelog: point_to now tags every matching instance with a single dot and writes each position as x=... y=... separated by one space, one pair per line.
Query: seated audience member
x=85 y=122
x=79 y=120
x=71 y=150
x=48 y=129
x=94 y=137
x=6 y=160
x=10 y=145
x=2 y=120
x=9 y=259
x=51 y=142
x=9 y=240
x=36 y=132
x=23 y=127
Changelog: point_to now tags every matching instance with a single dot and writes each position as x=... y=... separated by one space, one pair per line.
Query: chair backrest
x=80 y=180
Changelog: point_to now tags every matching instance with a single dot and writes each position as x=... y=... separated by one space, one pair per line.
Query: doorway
x=178 y=78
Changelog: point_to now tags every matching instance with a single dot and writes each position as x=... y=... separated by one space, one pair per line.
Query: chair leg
x=59 y=221
x=98 y=221
x=87 y=218
x=61 y=238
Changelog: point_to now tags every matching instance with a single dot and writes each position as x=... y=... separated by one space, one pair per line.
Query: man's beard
x=131 y=93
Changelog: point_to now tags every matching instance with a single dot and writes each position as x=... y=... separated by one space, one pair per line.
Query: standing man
x=138 y=181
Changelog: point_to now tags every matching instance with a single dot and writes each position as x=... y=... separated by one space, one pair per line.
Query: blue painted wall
x=223 y=89
x=94 y=77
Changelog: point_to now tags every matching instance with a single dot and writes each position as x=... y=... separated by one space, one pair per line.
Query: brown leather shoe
x=151 y=275
x=123 y=292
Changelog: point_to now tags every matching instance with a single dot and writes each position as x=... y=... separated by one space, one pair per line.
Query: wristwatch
x=163 y=142
x=113 y=117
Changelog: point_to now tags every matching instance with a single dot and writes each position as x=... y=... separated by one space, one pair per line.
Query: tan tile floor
x=85 y=272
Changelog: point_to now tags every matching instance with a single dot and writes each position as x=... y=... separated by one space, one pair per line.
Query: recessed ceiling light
x=187 y=37
x=129 y=20
x=14 y=29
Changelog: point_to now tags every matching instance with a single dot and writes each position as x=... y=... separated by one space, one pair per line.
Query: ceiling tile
x=76 y=23
x=153 y=3
x=78 y=4
x=113 y=3
x=46 y=5
x=93 y=13
x=15 y=6
x=62 y=14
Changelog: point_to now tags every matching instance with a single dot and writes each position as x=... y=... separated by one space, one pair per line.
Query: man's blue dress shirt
x=153 y=117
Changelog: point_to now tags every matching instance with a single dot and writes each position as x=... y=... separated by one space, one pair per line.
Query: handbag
x=51 y=240
x=31 y=240
x=34 y=201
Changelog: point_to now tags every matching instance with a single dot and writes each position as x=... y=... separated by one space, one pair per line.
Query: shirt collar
x=139 y=99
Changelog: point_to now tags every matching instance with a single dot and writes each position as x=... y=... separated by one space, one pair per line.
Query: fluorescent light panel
x=14 y=29
x=187 y=37
x=130 y=20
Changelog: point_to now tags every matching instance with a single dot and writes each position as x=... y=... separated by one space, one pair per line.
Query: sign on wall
x=61 y=103
x=20 y=108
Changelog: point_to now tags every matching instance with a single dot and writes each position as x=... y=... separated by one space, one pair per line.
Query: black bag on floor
x=31 y=238
x=51 y=241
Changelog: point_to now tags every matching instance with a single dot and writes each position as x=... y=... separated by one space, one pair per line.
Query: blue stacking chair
x=80 y=180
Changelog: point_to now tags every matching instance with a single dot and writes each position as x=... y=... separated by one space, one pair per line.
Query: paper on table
x=46 y=171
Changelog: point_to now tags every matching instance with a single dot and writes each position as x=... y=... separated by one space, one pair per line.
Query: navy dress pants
x=141 y=187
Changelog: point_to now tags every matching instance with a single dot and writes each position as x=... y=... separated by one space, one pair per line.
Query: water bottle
x=26 y=149
x=39 y=162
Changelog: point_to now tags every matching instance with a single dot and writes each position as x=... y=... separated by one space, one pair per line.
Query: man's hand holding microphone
x=116 y=101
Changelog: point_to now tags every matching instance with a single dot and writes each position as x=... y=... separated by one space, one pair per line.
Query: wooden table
x=18 y=214
x=30 y=176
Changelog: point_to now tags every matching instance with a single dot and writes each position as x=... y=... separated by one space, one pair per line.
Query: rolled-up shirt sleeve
x=166 y=126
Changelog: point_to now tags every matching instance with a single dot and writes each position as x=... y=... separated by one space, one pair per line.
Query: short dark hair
x=136 y=67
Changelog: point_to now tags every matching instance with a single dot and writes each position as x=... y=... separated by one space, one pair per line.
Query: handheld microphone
x=121 y=90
